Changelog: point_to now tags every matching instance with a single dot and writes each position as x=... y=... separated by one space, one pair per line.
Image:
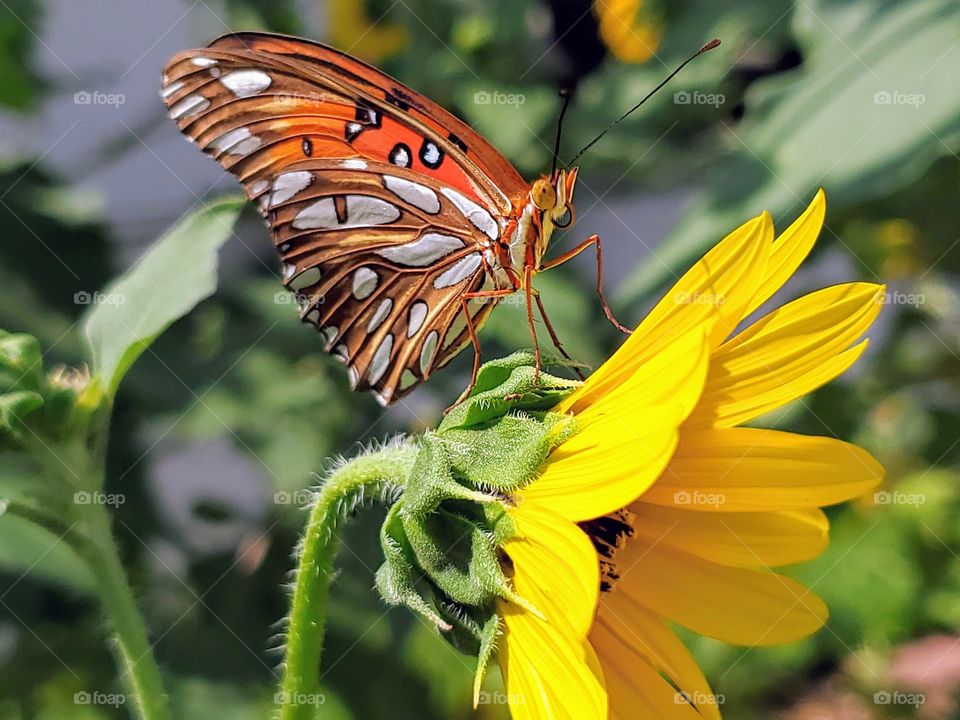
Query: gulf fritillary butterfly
x=399 y=227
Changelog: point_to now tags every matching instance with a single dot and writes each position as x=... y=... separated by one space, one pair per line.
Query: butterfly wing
x=381 y=203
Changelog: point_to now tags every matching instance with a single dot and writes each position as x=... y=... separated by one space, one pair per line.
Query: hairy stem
x=299 y=693
x=132 y=647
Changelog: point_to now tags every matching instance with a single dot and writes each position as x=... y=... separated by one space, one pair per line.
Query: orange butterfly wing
x=382 y=204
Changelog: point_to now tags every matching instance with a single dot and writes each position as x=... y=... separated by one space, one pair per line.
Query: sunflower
x=663 y=509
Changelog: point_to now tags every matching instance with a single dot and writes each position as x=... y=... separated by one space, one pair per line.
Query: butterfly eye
x=543 y=195
x=564 y=219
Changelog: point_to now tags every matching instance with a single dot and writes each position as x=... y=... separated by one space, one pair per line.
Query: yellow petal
x=735 y=605
x=555 y=567
x=548 y=675
x=716 y=289
x=756 y=539
x=789 y=250
x=606 y=466
x=753 y=469
x=631 y=633
x=635 y=687
x=786 y=354
x=674 y=376
x=626 y=438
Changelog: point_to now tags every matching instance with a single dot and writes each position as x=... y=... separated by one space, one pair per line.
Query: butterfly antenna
x=706 y=48
x=565 y=94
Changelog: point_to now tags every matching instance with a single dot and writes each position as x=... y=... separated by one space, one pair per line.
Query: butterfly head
x=552 y=196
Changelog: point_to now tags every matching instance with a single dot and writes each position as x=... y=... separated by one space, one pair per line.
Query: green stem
x=299 y=694
x=140 y=672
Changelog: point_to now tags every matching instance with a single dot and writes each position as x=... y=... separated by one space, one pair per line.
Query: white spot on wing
x=318 y=215
x=407 y=379
x=330 y=336
x=171 y=89
x=418 y=313
x=458 y=272
x=310 y=276
x=418 y=195
x=423 y=251
x=364 y=283
x=190 y=105
x=259 y=186
x=432 y=154
x=289 y=271
x=354 y=164
x=380 y=361
x=244 y=83
x=237 y=142
x=353 y=376
x=286 y=185
x=426 y=354
x=363 y=210
x=481 y=219
x=381 y=313
x=203 y=62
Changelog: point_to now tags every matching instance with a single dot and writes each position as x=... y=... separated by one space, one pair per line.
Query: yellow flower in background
x=631 y=29
x=370 y=39
x=661 y=508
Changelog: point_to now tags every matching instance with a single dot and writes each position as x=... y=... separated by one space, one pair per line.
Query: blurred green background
x=220 y=427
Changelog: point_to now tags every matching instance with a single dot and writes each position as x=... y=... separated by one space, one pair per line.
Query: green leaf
x=14 y=407
x=866 y=114
x=165 y=284
x=32 y=551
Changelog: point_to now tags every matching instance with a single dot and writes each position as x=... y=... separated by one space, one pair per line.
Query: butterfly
x=399 y=227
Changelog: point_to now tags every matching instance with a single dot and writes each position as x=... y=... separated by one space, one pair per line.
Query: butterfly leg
x=528 y=290
x=475 y=341
x=554 y=338
x=595 y=241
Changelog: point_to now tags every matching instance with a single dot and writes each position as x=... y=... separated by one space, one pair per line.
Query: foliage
x=221 y=362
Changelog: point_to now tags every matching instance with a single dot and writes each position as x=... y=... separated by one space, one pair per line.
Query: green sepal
x=501 y=524
x=489 y=635
x=431 y=481
x=507 y=454
x=467 y=623
x=457 y=556
x=507 y=385
x=395 y=579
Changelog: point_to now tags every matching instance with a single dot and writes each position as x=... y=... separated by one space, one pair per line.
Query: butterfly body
x=398 y=226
